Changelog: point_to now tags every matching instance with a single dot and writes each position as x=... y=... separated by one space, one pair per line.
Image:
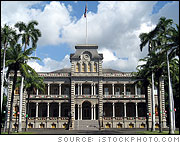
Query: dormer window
x=83 y=67
x=95 y=67
x=77 y=67
x=89 y=67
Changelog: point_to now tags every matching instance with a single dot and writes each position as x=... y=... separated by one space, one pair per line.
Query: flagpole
x=86 y=22
x=86 y=29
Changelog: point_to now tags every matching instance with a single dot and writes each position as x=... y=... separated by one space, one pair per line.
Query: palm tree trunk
x=171 y=130
x=27 y=112
x=2 y=84
x=159 y=105
x=20 y=105
x=146 y=96
x=153 y=104
x=12 y=98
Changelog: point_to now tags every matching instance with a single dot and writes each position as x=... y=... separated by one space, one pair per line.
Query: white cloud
x=170 y=11
x=51 y=19
x=50 y=64
x=115 y=28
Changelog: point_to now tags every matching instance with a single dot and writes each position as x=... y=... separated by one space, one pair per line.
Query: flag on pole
x=85 y=11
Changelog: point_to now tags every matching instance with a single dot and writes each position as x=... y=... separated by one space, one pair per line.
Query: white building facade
x=86 y=96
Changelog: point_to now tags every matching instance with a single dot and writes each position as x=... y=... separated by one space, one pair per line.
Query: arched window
x=83 y=67
x=89 y=67
x=77 y=67
x=17 y=91
x=95 y=67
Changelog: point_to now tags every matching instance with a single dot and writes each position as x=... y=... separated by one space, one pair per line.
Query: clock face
x=86 y=56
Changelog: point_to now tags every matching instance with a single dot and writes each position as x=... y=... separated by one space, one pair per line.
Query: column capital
x=37 y=103
x=48 y=103
x=60 y=84
x=124 y=103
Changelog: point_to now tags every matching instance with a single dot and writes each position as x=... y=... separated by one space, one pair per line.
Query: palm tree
x=33 y=82
x=28 y=33
x=17 y=62
x=148 y=38
x=169 y=41
x=143 y=76
x=8 y=36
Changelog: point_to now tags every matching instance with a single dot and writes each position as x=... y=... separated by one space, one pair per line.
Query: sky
x=112 y=25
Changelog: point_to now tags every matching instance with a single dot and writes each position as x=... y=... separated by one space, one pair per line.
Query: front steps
x=86 y=125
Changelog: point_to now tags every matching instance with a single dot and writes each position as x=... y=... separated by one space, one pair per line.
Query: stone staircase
x=86 y=125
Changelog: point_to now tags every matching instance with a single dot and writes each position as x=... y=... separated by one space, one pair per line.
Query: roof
x=68 y=70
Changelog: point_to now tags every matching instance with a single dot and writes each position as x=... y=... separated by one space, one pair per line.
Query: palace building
x=89 y=97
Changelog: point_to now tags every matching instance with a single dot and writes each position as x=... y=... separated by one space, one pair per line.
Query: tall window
x=89 y=67
x=117 y=91
x=139 y=91
x=106 y=91
x=83 y=67
x=128 y=91
x=77 y=67
x=95 y=67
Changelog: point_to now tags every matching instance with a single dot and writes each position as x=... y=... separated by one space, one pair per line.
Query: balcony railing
x=124 y=96
x=49 y=96
x=86 y=96
x=48 y=118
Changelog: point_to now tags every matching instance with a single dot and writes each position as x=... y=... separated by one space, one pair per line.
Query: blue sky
x=113 y=26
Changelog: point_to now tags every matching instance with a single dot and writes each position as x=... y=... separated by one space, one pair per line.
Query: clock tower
x=86 y=60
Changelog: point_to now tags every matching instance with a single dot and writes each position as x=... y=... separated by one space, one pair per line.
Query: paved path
x=79 y=132
x=110 y=131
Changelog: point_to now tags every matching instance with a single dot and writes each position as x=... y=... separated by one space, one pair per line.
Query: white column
x=135 y=89
x=48 y=89
x=94 y=112
x=81 y=89
x=124 y=89
x=94 y=89
x=91 y=89
x=37 y=109
x=59 y=109
x=59 y=89
x=78 y=90
x=47 y=109
x=136 y=110
x=78 y=111
x=81 y=111
x=113 y=89
x=37 y=92
x=91 y=112
x=124 y=109
x=113 y=110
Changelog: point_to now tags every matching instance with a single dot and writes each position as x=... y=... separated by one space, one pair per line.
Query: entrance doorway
x=86 y=111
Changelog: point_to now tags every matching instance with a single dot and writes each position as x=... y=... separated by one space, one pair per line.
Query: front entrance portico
x=86 y=110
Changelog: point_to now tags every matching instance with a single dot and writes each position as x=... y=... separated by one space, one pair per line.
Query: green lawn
x=156 y=132
x=18 y=133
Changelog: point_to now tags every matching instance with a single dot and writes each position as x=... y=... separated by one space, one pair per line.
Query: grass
x=155 y=132
x=25 y=133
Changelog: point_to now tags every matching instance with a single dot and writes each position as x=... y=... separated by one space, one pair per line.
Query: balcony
x=49 y=96
x=123 y=96
x=86 y=96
